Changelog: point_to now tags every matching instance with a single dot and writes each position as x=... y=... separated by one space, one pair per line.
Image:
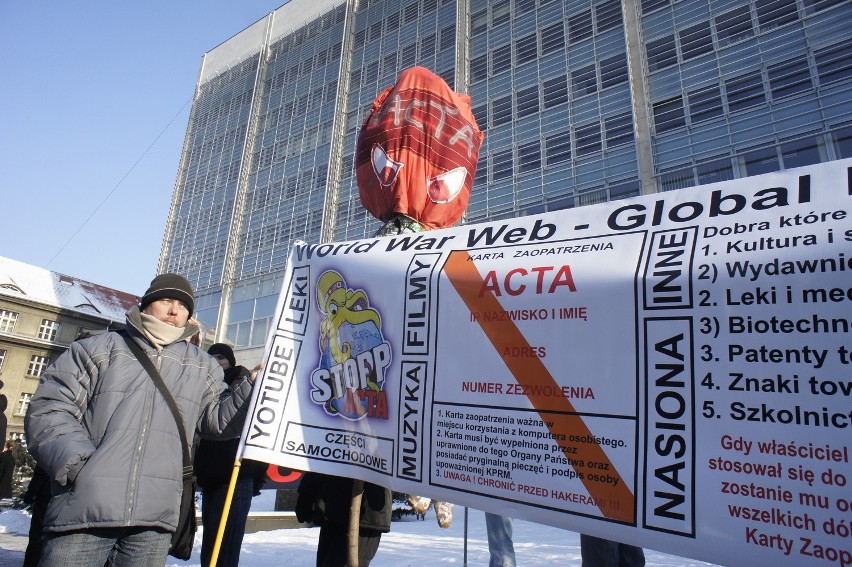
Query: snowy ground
x=409 y=543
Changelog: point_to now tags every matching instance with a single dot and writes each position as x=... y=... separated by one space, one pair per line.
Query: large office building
x=581 y=101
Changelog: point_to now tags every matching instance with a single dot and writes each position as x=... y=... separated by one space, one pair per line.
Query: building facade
x=41 y=313
x=581 y=101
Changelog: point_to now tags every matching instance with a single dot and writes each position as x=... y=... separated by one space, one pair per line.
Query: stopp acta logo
x=350 y=380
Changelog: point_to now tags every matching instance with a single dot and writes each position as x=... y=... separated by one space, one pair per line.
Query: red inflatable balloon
x=417 y=151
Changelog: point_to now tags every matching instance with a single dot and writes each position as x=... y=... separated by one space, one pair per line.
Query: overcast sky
x=95 y=100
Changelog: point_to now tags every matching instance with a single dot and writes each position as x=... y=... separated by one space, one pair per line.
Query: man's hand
x=255 y=371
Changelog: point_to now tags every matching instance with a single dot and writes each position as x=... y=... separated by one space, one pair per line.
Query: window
x=2 y=358
x=608 y=15
x=501 y=59
x=479 y=22
x=480 y=114
x=376 y=31
x=584 y=81
x=525 y=49
x=427 y=45
x=555 y=91
x=588 y=139
x=624 y=190
x=552 y=38
x=715 y=171
x=744 y=92
x=695 y=41
x=37 y=365
x=842 y=139
x=529 y=157
x=501 y=110
x=558 y=147
x=668 y=115
x=528 y=101
x=579 y=27
x=524 y=6
x=613 y=71
x=411 y=12
x=734 y=26
x=834 y=63
x=500 y=13
x=48 y=330
x=409 y=56
x=774 y=13
x=761 y=161
x=448 y=37
x=789 y=78
x=677 y=179
x=812 y=6
x=23 y=404
x=7 y=321
x=705 y=104
x=502 y=165
x=661 y=53
x=619 y=130
x=479 y=68
x=799 y=153
x=650 y=5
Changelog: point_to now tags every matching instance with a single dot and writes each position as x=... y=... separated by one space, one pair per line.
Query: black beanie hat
x=224 y=350
x=172 y=286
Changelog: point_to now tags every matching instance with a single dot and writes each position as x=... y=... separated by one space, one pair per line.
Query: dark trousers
x=333 y=547
x=212 y=502
x=598 y=552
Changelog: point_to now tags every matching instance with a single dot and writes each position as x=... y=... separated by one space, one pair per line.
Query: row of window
x=390 y=63
x=392 y=22
x=587 y=139
x=305 y=66
x=47 y=331
x=309 y=31
x=833 y=63
x=810 y=6
x=732 y=26
x=540 y=43
x=552 y=92
x=498 y=13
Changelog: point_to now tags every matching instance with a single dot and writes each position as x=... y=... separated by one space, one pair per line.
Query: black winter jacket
x=326 y=499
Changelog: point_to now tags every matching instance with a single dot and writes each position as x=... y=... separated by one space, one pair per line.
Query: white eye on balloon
x=384 y=167
x=446 y=187
x=332 y=309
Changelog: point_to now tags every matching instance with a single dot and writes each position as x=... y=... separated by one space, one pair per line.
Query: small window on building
x=555 y=91
x=23 y=404
x=48 y=330
x=526 y=49
x=842 y=139
x=651 y=5
x=608 y=15
x=584 y=81
x=529 y=157
x=774 y=13
x=668 y=115
x=705 y=104
x=552 y=38
x=764 y=160
x=695 y=41
x=613 y=71
x=2 y=358
x=558 y=147
x=745 y=92
x=734 y=26
x=661 y=53
x=502 y=165
x=501 y=110
x=479 y=22
x=799 y=153
x=500 y=13
x=834 y=63
x=501 y=59
x=579 y=27
x=448 y=37
x=480 y=113
x=715 y=171
x=677 y=179
x=528 y=101
x=789 y=78
x=813 y=6
x=37 y=365
x=8 y=319
x=588 y=139
x=619 y=130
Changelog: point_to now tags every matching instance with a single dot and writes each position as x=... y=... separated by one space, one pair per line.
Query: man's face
x=223 y=362
x=170 y=311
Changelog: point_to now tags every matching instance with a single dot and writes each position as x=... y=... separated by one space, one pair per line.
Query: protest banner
x=670 y=371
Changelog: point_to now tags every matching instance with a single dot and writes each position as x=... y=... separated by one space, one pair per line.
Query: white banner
x=671 y=371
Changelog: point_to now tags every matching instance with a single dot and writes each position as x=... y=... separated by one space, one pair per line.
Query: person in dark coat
x=37 y=496
x=325 y=500
x=214 y=463
x=7 y=469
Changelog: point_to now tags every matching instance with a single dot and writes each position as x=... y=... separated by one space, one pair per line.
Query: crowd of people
x=107 y=485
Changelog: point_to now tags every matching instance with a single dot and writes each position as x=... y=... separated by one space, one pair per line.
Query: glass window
x=552 y=38
x=48 y=330
x=37 y=365
x=7 y=321
x=705 y=104
x=789 y=78
x=480 y=114
x=502 y=165
x=677 y=179
x=479 y=22
x=608 y=15
x=650 y=5
x=579 y=27
x=501 y=59
x=2 y=358
x=695 y=40
x=774 y=13
x=668 y=114
x=555 y=91
x=584 y=81
x=558 y=147
x=734 y=26
x=448 y=37
x=479 y=68
x=760 y=161
x=745 y=92
x=427 y=45
x=524 y=6
x=501 y=110
x=800 y=152
x=812 y=6
x=529 y=157
x=714 y=171
x=661 y=53
x=834 y=63
x=526 y=49
x=842 y=139
x=527 y=101
x=619 y=130
x=23 y=404
x=409 y=56
x=613 y=71
x=588 y=139
x=411 y=12
x=500 y=13
x=624 y=190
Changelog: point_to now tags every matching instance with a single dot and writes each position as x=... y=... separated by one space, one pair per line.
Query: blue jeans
x=113 y=547
x=599 y=552
x=212 y=502
x=500 y=546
